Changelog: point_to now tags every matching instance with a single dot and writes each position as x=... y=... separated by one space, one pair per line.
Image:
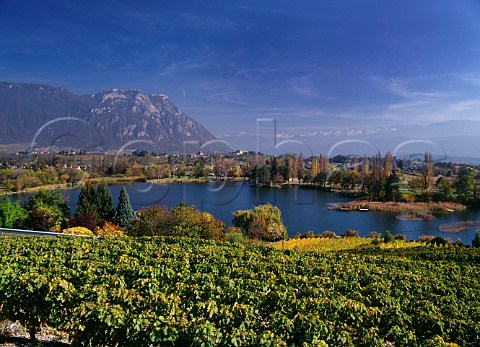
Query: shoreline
x=114 y=180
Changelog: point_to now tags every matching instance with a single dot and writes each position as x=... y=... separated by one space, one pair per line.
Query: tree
x=392 y=187
x=321 y=178
x=476 y=240
x=47 y=210
x=261 y=174
x=11 y=213
x=337 y=177
x=288 y=171
x=125 y=214
x=314 y=167
x=263 y=222
x=387 y=165
x=364 y=172
x=324 y=169
x=86 y=214
x=51 y=198
x=445 y=189
x=182 y=220
x=388 y=237
x=274 y=167
x=44 y=218
x=427 y=173
x=300 y=167
x=375 y=181
x=87 y=200
x=104 y=202
x=464 y=184
x=198 y=169
x=352 y=178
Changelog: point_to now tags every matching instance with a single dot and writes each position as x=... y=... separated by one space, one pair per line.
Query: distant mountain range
x=37 y=115
x=41 y=116
x=455 y=140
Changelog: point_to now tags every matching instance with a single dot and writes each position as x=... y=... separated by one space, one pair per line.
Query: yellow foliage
x=401 y=244
x=324 y=244
x=78 y=231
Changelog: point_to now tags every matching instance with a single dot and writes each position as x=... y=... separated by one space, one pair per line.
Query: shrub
x=43 y=218
x=351 y=233
x=388 y=236
x=328 y=234
x=439 y=241
x=78 y=231
x=108 y=229
x=182 y=220
x=400 y=237
x=85 y=219
x=308 y=235
x=12 y=214
x=232 y=229
x=373 y=235
x=49 y=198
x=264 y=222
x=476 y=239
x=47 y=210
x=426 y=238
x=235 y=235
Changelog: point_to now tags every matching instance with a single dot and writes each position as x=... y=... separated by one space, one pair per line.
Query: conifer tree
x=86 y=214
x=125 y=214
x=87 y=201
x=104 y=202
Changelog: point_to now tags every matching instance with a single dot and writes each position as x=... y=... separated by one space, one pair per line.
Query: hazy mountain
x=448 y=140
x=108 y=120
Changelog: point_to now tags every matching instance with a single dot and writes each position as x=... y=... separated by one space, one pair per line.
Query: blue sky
x=306 y=64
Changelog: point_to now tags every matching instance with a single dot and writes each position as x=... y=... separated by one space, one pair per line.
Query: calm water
x=302 y=209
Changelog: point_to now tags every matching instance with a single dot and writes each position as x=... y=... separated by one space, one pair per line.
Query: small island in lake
x=406 y=210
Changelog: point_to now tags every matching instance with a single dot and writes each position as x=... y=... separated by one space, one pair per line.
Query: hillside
x=44 y=116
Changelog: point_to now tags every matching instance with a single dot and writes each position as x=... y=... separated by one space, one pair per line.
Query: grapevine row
x=164 y=291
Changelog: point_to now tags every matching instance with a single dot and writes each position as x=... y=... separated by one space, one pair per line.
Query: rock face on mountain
x=41 y=115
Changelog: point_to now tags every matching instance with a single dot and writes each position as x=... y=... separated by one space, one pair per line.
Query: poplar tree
x=125 y=214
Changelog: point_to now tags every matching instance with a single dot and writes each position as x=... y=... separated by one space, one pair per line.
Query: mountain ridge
x=110 y=119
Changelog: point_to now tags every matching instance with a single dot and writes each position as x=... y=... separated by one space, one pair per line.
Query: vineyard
x=166 y=291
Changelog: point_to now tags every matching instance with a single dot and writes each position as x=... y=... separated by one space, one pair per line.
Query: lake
x=302 y=209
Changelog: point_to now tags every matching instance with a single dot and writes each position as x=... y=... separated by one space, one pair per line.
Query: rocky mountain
x=44 y=116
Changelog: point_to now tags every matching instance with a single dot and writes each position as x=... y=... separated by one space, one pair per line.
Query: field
x=325 y=244
x=163 y=291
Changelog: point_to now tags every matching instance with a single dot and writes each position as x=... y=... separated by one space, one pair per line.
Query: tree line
x=47 y=210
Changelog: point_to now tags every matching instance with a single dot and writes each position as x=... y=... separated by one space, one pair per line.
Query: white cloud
x=465 y=105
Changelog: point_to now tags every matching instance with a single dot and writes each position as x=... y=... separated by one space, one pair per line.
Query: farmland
x=168 y=291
